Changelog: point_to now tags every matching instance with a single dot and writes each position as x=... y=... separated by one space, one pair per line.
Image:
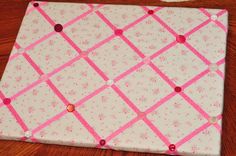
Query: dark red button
x=102 y=142
x=118 y=32
x=178 y=89
x=180 y=39
x=6 y=101
x=172 y=147
x=70 y=107
x=150 y=12
x=35 y=4
x=58 y=27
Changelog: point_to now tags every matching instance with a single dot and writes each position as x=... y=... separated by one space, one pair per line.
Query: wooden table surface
x=11 y=14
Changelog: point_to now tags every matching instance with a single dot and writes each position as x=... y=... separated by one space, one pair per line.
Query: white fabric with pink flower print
x=135 y=78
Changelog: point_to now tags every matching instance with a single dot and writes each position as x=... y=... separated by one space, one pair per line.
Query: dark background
x=11 y=14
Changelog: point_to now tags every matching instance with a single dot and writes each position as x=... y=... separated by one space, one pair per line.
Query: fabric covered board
x=123 y=77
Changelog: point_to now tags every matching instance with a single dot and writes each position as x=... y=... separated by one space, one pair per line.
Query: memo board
x=122 y=77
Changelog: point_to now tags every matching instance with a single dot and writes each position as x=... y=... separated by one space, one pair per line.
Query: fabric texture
x=135 y=78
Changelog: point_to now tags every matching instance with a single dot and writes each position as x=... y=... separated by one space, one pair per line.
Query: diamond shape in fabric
x=149 y=36
x=144 y=87
x=209 y=41
x=138 y=137
x=207 y=94
x=106 y=112
x=187 y=18
x=70 y=128
x=176 y=118
x=62 y=12
x=121 y=16
x=9 y=127
x=36 y=26
x=44 y=102
x=18 y=76
x=78 y=75
x=207 y=141
x=58 y=55
x=111 y=59
x=88 y=31
x=179 y=64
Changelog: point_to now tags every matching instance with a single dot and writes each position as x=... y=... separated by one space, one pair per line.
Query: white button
x=21 y=50
x=213 y=120
x=44 y=77
x=214 y=17
x=28 y=134
x=110 y=82
x=213 y=67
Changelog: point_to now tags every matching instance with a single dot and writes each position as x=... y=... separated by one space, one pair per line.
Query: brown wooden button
x=58 y=27
x=172 y=147
x=36 y=4
x=7 y=101
x=102 y=142
x=70 y=108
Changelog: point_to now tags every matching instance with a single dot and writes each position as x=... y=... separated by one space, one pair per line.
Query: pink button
x=147 y=60
x=35 y=4
x=141 y=114
x=102 y=142
x=58 y=27
x=44 y=77
x=7 y=101
x=178 y=89
x=180 y=39
x=172 y=147
x=84 y=54
x=118 y=32
x=150 y=12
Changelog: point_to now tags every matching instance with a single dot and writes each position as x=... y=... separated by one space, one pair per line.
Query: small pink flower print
x=69 y=128
x=175 y=123
x=177 y=105
x=138 y=34
x=18 y=67
x=35 y=92
x=30 y=110
x=59 y=78
x=156 y=91
x=101 y=116
x=142 y=99
x=5 y=85
x=104 y=99
x=42 y=133
x=124 y=16
x=113 y=63
x=85 y=42
x=72 y=92
x=73 y=30
x=62 y=12
x=115 y=47
x=127 y=84
x=116 y=141
x=18 y=79
x=35 y=31
x=200 y=89
x=35 y=21
x=84 y=73
x=85 y=85
x=54 y=104
x=144 y=136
